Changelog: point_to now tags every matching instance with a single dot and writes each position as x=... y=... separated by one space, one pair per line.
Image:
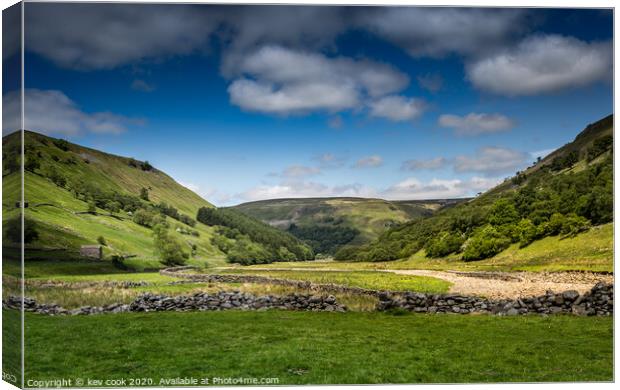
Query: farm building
x=92 y=251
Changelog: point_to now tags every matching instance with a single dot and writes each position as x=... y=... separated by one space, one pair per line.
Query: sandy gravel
x=497 y=285
x=518 y=285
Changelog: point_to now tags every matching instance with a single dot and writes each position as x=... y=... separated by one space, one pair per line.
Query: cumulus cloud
x=298 y=171
x=413 y=188
x=302 y=189
x=542 y=63
x=329 y=161
x=397 y=108
x=492 y=160
x=103 y=36
x=52 y=112
x=418 y=165
x=281 y=81
x=475 y=123
x=369 y=162
x=436 y=32
x=432 y=82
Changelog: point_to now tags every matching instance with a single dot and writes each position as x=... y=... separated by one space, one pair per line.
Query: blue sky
x=242 y=103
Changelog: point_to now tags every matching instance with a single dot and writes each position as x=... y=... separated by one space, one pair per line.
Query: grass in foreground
x=321 y=348
x=364 y=279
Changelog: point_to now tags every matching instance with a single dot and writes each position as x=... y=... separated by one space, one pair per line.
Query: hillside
x=562 y=195
x=329 y=223
x=78 y=196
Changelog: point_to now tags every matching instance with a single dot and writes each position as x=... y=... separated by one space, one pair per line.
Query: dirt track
x=497 y=284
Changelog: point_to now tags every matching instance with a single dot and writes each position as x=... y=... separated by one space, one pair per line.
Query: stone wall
x=197 y=302
x=598 y=301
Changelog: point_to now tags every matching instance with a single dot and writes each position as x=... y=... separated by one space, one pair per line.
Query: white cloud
x=492 y=160
x=434 y=163
x=436 y=32
x=397 y=108
x=52 y=112
x=542 y=63
x=369 y=162
x=298 y=171
x=301 y=189
x=329 y=161
x=475 y=123
x=413 y=188
x=278 y=80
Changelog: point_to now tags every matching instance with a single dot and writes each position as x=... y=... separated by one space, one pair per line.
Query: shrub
x=101 y=240
x=61 y=144
x=485 y=243
x=92 y=207
x=144 y=194
x=14 y=230
x=574 y=224
x=118 y=262
x=169 y=249
x=444 y=244
x=527 y=232
x=144 y=217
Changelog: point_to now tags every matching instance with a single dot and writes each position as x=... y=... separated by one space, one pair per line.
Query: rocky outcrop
x=598 y=301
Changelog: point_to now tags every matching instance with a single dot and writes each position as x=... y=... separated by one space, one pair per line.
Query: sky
x=243 y=103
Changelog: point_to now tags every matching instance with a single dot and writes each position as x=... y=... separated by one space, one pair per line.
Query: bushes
x=101 y=240
x=144 y=194
x=168 y=248
x=13 y=230
x=600 y=146
x=527 y=232
x=61 y=144
x=144 y=218
x=444 y=244
x=485 y=243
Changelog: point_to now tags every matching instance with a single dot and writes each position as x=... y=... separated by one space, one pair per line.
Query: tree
x=92 y=207
x=485 y=243
x=144 y=217
x=169 y=249
x=14 y=230
x=101 y=240
x=527 y=232
x=144 y=194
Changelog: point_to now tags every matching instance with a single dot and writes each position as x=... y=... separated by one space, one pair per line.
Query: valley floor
x=494 y=285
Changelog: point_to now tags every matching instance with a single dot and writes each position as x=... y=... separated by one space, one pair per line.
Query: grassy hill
x=78 y=196
x=562 y=196
x=328 y=223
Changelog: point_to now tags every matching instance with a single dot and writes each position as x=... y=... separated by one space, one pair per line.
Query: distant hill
x=329 y=223
x=78 y=196
x=562 y=195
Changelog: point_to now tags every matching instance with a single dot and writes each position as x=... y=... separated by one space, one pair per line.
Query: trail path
x=496 y=285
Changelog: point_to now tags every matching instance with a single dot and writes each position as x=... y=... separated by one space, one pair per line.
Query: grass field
x=320 y=348
x=364 y=279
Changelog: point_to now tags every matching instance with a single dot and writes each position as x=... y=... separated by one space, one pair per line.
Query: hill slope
x=328 y=223
x=561 y=195
x=78 y=196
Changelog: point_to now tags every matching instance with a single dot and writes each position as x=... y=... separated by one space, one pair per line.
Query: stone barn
x=92 y=251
